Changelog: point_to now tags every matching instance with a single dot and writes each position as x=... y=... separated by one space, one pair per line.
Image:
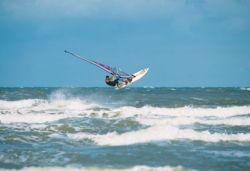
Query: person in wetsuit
x=111 y=80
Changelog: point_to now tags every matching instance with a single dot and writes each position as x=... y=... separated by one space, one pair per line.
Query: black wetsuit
x=112 y=83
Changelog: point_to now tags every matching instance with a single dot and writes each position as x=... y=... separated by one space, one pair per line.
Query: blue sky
x=183 y=42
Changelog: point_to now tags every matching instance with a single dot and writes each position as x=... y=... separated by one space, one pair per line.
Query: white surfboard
x=138 y=75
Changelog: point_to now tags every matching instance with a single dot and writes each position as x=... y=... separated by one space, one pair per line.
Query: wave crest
x=135 y=168
x=159 y=133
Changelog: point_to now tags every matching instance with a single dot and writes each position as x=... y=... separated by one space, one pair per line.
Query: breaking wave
x=159 y=123
x=41 y=111
x=138 y=129
x=135 y=168
x=159 y=133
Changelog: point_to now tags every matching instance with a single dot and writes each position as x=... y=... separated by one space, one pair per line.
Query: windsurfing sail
x=113 y=71
x=121 y=74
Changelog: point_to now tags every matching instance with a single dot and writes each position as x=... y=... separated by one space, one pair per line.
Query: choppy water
x=131 y=129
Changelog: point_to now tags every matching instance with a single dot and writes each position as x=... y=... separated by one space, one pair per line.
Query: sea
x=138 y=129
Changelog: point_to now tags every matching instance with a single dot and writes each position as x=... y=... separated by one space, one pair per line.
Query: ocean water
x=132 y=129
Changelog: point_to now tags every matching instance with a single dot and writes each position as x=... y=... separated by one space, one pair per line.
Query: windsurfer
x=111 y=80
x=118 y=78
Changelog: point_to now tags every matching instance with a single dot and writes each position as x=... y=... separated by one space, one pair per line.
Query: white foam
x=177 y=121
x=41 y=111
x=159 y=133
x=187 y=115
x=59 y=107
x=185 y=111
x=69 y=168
x=165 y=125
x=18 y=104
x=33 y=118
x=245 y=88
x=237 y=121
x=37 y=104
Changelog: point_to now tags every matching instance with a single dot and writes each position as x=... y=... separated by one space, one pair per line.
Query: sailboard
x=125 y=79
x=136 y=76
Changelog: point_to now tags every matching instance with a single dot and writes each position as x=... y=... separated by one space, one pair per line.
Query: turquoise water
x=132 y=129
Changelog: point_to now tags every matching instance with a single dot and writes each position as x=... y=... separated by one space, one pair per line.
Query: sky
x=185 y=43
